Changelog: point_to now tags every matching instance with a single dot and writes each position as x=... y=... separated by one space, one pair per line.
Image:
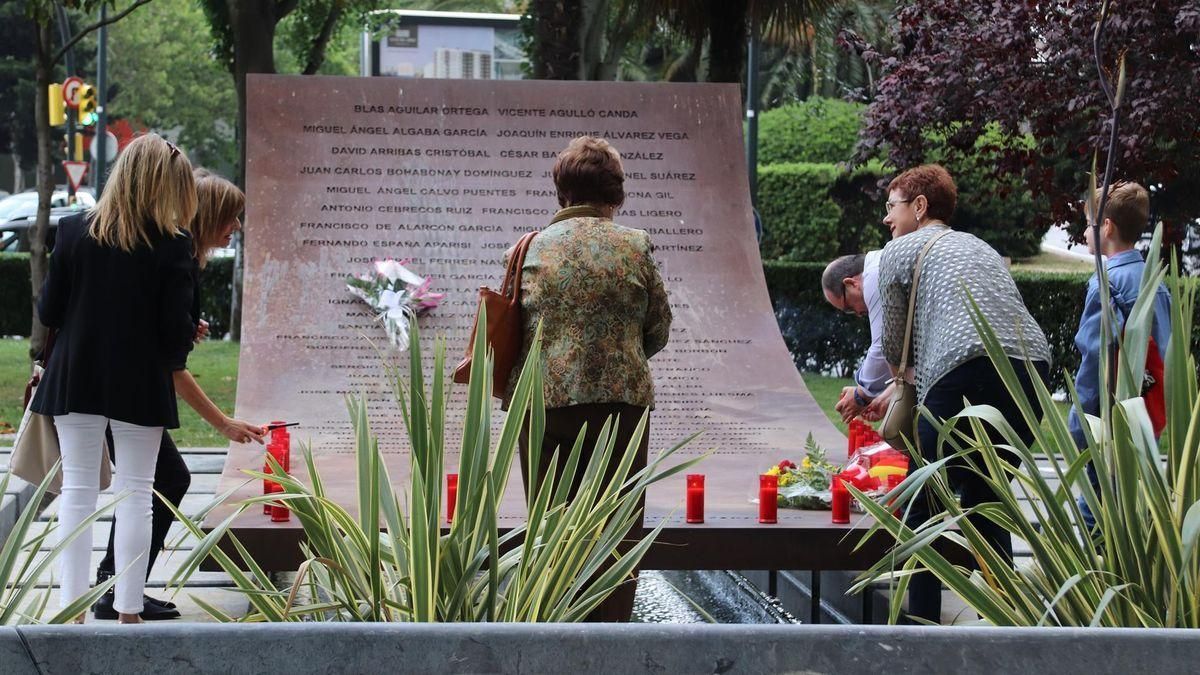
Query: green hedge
x=994 y=205
x=815 y=212
x=216 y=288
x=15 y=297
x=823 y=339
x=814 y=130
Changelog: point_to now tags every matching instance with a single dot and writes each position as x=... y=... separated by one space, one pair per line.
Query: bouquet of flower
x=398 y=294
x=806 y=486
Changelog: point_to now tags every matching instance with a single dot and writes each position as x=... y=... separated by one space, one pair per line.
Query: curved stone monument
x=448 y=174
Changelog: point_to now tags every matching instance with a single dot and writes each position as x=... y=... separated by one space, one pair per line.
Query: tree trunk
x=619 y=33
x=727 y=40
x=593 y=24
x=687 y=67
x=44 y=74
x=556 y=39
x=253 y=25
x=18 y=174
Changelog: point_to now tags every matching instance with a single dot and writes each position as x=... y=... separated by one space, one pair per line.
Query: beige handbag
x=900 y=418
x=35 y=451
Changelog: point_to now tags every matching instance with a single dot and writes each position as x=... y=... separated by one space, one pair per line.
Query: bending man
x=851 y=285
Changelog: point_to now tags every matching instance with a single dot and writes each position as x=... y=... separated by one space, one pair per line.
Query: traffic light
x=58 y=115
x=87 y=105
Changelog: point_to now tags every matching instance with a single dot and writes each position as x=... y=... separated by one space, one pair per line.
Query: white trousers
x=136 y=452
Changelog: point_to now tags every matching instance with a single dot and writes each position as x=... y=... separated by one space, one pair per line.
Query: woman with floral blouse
x=594 y=287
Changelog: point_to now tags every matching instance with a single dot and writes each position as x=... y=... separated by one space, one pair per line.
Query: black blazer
x=124 y=324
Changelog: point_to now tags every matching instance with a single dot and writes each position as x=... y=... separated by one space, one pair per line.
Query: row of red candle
x=768 y=498
x=860 y=434
x=280 y=449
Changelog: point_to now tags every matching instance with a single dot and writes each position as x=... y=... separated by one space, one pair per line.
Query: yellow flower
x=773 y=471
x=787 y=479
x=807 y=463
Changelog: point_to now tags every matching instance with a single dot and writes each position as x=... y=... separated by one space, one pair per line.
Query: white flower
x=390 y=299
x=394 y=270
x=398 y=314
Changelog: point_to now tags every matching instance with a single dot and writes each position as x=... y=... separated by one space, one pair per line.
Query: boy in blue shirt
x=1125 y=217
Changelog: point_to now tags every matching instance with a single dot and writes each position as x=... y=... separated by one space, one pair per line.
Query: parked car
x=14 y=235
x=24 y=204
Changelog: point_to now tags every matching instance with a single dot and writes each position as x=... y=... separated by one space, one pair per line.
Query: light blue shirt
x=873 y=375
x=1125 y=278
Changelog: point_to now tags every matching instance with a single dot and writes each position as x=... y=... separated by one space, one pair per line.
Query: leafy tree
x=552 y=28
x=587 y=39
x=1028 y=67
x=823 y=59
x=17 y=50
x=726 y=25
x=174 y=86
x=245 y=31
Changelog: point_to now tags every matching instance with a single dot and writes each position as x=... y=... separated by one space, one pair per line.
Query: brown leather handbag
x=35 y=449
x=505 y=325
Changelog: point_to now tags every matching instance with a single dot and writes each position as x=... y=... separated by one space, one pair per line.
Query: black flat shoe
x=165 y=604
x=103 y=609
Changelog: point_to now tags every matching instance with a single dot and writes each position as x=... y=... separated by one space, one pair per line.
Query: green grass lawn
x=214 y=364
x=827 y=389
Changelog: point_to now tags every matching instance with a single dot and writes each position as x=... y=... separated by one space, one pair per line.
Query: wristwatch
x=860 y=399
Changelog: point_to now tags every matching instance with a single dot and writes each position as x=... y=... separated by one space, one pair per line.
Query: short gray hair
x=843 y=267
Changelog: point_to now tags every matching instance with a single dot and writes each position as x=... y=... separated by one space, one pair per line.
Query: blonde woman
x=219 y=203
x=119 y=291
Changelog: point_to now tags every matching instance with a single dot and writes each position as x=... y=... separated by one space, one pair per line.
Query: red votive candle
x=768 y=499
x=695 y=498
x=283 y=439
x=451 y=495
x=276 y=509
x=893 y=481
x=841 y=502
x=278 y=450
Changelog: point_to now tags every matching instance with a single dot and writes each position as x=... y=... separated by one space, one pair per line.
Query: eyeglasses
x=174 y=150
x=845 y=308
x=888 y=206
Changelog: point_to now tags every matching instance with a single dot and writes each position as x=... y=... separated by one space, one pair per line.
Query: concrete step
x=164 y=568
x=201 y=462
x=100 y=536
x=191 y=505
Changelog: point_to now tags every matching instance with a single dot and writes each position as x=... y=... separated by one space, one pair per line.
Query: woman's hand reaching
x=241 y=432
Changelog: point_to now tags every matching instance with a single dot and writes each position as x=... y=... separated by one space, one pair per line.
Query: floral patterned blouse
x=595 y=287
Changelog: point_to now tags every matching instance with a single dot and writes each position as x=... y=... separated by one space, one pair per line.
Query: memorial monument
x=448 y=174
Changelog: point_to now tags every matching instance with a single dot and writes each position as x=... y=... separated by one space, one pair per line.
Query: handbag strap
x=516 y=262
x=912 y=300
